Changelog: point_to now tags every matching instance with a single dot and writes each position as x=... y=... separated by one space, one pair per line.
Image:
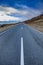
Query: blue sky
x=13 y=11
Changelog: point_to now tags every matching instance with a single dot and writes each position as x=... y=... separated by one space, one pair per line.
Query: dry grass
x=36 y=22
x=6 y=27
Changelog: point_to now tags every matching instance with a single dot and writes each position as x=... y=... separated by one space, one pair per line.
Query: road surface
x=19 y=43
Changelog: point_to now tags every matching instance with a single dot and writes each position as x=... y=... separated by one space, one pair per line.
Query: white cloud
x=23 y=14
x=9 y=18
x=8 y=10
x=28 y=11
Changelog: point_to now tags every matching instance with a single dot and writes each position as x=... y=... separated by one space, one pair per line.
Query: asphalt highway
x=13 y=50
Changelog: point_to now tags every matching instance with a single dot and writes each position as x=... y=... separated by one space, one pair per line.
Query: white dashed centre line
x=22 y=52
x=21 y=27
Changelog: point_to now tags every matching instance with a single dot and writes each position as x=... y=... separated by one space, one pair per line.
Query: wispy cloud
x=24 y=13
x=39 y=6
x=29 y=11
x=4 y=11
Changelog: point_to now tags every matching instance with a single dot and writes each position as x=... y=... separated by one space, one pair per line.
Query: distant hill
x=36 y=22
x=34 y=19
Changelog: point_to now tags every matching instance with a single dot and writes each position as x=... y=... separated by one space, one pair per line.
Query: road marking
x=22 y=53
x=21 y=27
